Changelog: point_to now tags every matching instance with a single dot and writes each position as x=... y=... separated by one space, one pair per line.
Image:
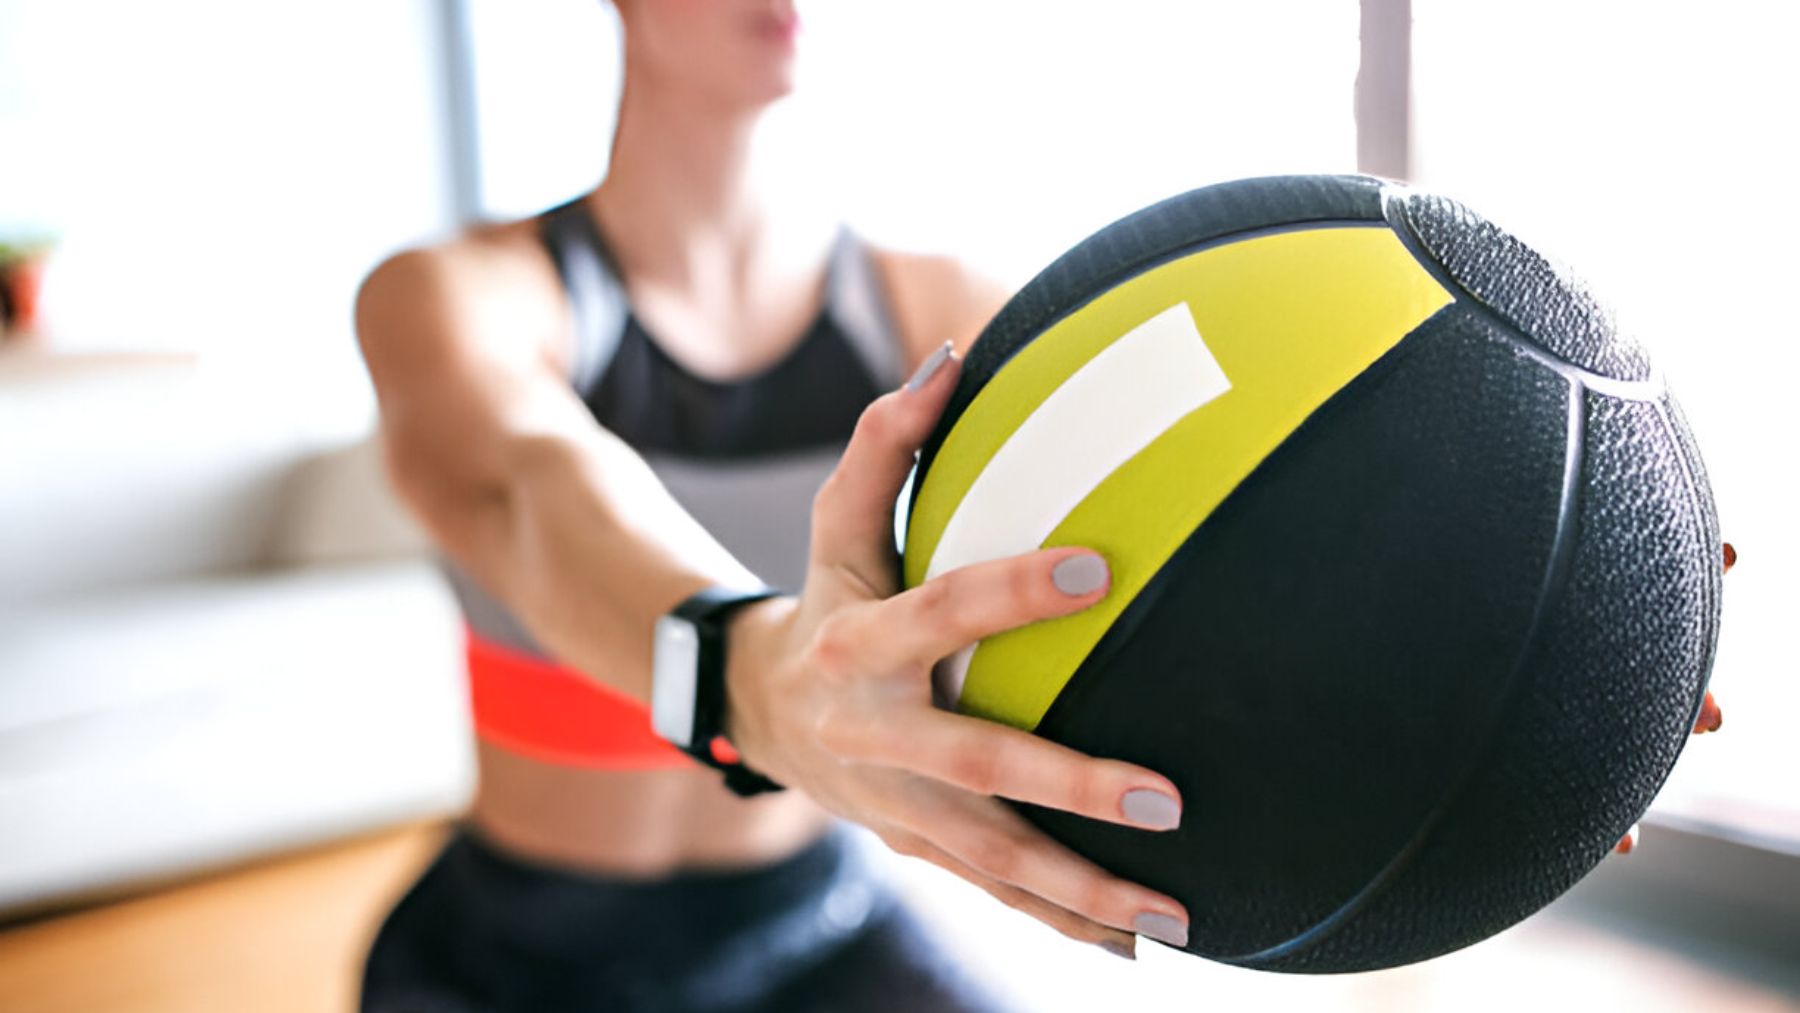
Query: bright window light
x=1000 y=132
x=1650 y=147
x=221 y=175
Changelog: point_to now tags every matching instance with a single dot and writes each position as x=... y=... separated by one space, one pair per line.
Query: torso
x=635 y=823
x=650 y=822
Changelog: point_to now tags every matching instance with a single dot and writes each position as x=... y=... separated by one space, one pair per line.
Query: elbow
x=471 y=499
x=408 y=478
x=453 y=504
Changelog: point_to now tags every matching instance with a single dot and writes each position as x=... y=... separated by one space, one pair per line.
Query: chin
x=773 y=48
x=767 y=84
x=779 y=88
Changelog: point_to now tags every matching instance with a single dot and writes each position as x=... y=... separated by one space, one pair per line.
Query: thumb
x=853 y=514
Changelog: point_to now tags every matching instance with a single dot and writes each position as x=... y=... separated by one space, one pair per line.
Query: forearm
x=580 y=540
x=489 y=445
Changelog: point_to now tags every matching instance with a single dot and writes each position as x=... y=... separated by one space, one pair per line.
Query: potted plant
x=22 y=259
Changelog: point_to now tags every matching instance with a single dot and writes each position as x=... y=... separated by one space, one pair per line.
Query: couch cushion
x=120 y=471
x=133 y=473
x=149 y=732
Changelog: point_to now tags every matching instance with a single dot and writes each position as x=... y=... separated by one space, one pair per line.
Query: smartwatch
x=687 y=689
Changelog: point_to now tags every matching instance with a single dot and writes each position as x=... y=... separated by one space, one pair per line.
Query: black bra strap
x=854 y=298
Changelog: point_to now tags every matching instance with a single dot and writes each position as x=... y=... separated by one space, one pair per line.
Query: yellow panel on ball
x=1289 y=318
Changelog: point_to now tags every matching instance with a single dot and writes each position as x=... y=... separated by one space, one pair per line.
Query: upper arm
x=461 y=370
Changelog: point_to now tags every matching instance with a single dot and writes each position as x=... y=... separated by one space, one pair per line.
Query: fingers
x=996 y=842
x=1628 y=842
x=950 y=612
x=853 y=514
x=1067 y=922
x=1711 y=717
x=985 y=758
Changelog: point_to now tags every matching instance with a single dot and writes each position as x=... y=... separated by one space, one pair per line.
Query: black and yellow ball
x=1415 y=565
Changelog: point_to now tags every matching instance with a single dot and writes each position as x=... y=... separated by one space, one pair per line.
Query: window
x=1650 y=147
x=221 y=175
x=979 y=129
x=1644 y=145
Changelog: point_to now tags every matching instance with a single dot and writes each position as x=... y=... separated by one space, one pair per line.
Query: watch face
x=673 y=678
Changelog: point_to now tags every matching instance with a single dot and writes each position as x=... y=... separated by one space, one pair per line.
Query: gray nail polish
x=929 y=367
x=1151 y=809
x=1079 y=575
x=1161 y=928
x=1118 y=948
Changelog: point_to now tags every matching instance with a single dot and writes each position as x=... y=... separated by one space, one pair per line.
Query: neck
x=679 y=178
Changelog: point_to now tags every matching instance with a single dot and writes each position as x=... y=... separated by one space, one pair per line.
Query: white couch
x=219 y=636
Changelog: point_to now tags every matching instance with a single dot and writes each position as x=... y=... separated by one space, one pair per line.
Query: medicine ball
x=1415 y=568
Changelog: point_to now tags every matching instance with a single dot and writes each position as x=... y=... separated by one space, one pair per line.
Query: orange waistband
x=552 y=713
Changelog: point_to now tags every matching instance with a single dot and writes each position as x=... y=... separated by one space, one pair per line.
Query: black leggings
x=484 y=931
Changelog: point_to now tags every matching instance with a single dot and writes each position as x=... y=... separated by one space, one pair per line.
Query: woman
x=544 y=385
x=599 y=412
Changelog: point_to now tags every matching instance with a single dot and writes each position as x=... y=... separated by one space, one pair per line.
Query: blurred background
x=231 y=709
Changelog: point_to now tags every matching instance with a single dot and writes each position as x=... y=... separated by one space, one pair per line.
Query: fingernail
x=1710 y=718
x=1730 y=557
x=1161 y=928
x=1151 y=809
x=1629 y=843
x=1079 y=575
x=929 y=367
x=1118 y=948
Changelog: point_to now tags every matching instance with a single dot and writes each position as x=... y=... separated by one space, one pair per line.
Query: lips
x=781 y=24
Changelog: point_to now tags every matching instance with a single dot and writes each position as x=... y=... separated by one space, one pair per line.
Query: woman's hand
x=1709 y=720
x=830 y=693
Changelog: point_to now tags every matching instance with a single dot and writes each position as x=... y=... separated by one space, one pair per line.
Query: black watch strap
x=709 y=611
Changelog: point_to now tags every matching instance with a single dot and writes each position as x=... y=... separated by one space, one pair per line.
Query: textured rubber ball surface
x=1140 y=241
x=1439 y=650
x=1544 y=303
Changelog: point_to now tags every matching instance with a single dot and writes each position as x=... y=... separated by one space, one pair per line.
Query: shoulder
x=492 y=286
x=460 y=339
x=937 y=297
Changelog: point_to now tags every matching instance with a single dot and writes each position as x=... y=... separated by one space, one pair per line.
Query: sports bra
x=743 y=456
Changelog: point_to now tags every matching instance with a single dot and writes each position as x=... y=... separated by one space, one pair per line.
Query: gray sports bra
x=743 y=456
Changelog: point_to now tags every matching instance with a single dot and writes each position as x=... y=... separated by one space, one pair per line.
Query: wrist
x=755 y=635
x=688 y=695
